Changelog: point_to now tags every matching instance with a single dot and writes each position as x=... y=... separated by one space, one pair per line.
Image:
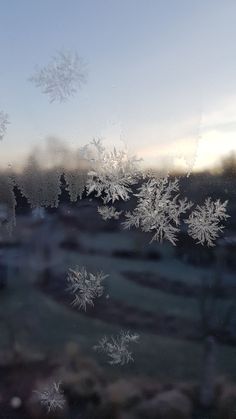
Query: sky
x=161 y=77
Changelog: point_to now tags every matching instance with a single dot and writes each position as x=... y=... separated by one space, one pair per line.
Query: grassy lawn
x=168 y=266
x=44 y=325
x=133 y=294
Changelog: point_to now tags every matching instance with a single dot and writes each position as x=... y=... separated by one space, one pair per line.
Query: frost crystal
x=4 y=121
x=204 y=222
x=40 y=187
x=158 y=209
x=113 y=173
x=51 y=397
x=62 y=77
x=76 y=183
x=108 y=213
x=117 y=347
x=85 y=286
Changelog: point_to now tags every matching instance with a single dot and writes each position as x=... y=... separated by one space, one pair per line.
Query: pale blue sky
x=161 y=74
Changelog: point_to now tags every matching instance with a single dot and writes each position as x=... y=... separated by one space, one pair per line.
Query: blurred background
x=161 y=82
x=180 y=299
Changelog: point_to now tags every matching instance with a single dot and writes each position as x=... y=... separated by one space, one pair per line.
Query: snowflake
x=108 y=213
x=113 y=173
x=51 y=397
x=62 y=77
x=158 y=209
x=4 y=121
x=85 y=286
x=117 y=347
x=204 y=222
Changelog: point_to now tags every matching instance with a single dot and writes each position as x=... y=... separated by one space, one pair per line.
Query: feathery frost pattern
x=113 y=173
x=62 y=77
x=52 y=397
x=85 y=286
x=4 y=121
x=76 y=183
x=158 y=209
x=40 y=188
x=107 y=213
x=117 y=348
x=204 y=222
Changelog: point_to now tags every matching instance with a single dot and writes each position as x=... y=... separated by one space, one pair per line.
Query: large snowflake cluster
x=158 y=209
x=117 y=348
x=113 y=173
x=85 y=286
x=62 y=77
x=4 y=121
x=51 y=397
x=204 y=222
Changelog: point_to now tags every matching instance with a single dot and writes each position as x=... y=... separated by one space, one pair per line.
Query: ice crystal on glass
x=76 y=182
x=51 y=397
x=117 y=348
x=40 y=187
x=158 y=209
x=204 y=221
x=113 y=173
x=62 y=77
x=4 y=121
x=108 y=213
x=85 y=286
